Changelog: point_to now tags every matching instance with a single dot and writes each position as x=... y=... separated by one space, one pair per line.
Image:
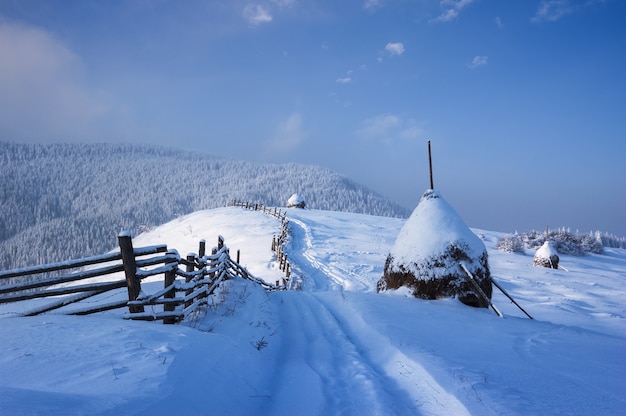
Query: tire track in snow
x=387 y=381
x=321 y=273
x=426 y=394
x=325 y=371
x=301 y=243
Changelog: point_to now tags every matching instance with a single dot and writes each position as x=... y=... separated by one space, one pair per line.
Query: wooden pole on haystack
x=430 y=165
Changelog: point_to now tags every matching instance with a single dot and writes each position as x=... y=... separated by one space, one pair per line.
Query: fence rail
x=183 y=290
x=278 y=241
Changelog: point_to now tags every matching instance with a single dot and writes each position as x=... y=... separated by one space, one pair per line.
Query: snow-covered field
x=336 y=346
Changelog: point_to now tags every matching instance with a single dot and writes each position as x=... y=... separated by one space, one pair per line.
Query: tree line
x=62 y=201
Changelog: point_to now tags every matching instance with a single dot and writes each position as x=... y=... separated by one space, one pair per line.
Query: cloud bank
x=43 y=95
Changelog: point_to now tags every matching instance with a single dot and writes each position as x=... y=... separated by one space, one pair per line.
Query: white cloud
x=43 y=95
x=478 y=61
x=288 y=136
x=345 y=80
x=447 y=16
x=256 y=14
x=456 y=4
x=284 y=3
x=264 y=11
x=379 y=126
x=498 y=21
x=451 y=10
x=395 y=48
x=371 y=4
x=389 y=128
x=553 y=10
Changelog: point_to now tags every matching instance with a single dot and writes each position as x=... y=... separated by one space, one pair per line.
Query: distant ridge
x=60 y=201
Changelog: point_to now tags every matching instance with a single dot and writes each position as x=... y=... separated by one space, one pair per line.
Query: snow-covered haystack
x=428 y=253
x=546 y=256
x=296 y=201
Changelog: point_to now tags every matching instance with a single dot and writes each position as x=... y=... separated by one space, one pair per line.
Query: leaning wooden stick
x=470 y=277
x=509 y=296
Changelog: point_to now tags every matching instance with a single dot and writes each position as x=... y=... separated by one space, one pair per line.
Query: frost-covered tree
x=563 y=240
x=61 y=201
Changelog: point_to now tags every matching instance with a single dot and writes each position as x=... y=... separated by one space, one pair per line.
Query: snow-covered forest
x=62 y=201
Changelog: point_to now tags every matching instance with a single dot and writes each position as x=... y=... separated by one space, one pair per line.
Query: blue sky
x=524 y=100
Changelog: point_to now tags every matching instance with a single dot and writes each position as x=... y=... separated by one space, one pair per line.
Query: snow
x=546 y=251
x=295 y=200
x=336 y=346
x=432 y=227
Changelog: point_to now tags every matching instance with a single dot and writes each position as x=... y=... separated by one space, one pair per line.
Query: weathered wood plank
x=100 y=308
x=103 y=286
x=71 y=277
x=156 y=260
x=62 y=265
x=62 y=302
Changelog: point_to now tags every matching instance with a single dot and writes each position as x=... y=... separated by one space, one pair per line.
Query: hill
x=62 y=201
x=336 y=346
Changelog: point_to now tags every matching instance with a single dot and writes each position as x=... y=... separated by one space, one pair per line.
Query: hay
x=434 y=278
x=546 y=256
x=427 y=255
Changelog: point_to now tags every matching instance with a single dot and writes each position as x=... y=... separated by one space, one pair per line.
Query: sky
x=524 y=101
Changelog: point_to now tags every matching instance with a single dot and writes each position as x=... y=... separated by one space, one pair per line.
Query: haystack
x=546 y=256
x=296 y=201
x=429 y=251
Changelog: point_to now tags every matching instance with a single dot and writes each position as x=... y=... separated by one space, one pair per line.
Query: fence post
x=202 y=248
x=220 y=242
x=190 y=268
x=130 y=270
x=170 y=278
x=213 y=263
x=238 y=253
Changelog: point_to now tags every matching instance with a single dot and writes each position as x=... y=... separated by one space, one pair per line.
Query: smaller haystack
x=546 y=256
x=429 y=251
x=296 y=201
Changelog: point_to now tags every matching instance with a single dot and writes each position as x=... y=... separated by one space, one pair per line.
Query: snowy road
x=350 y=367
x=338 y=380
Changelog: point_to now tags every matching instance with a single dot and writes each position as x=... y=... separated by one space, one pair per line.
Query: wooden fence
x=278 y=241
x=183 y=290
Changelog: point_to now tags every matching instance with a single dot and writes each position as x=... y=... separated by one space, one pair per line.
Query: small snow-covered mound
x=429 y=251
x=296 y=201
x=546 y=256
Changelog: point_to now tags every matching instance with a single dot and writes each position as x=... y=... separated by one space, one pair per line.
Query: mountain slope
x=336 y=347
x=61 y=201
